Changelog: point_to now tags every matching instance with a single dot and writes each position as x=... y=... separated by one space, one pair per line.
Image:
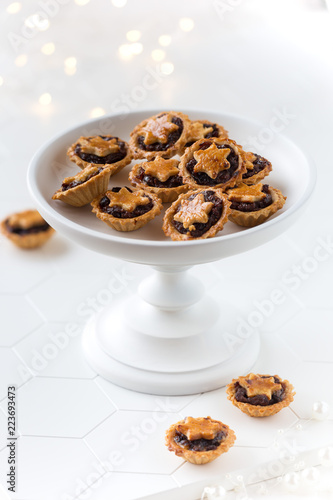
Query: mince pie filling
x=70 y=185
x=38 y=228
x=244 y=206
x=120 y=212
x=258 y=165
x=211 y=133
x=150 y=180
x=103 y=160
x=171 y=139
x=201 y=444
x=223 y=176
x=214 y=215
x=241 y=393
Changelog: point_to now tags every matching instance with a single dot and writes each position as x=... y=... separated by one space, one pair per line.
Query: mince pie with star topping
x=126 y=210
x=106 y=150
x=197 y=214
x=27 y=229
x=83 y=187
x=257 y=167
x=260 y=395
x=199 y=440
x=163 y=135
x=253 y=205
x=204 y=129
x=160 y=176
x=212 y=162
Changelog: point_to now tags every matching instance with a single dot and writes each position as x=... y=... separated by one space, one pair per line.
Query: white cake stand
x=171 y=337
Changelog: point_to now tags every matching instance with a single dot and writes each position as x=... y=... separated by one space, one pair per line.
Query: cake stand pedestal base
x=170 y=338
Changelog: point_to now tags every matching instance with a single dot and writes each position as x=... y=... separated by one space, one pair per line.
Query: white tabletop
x=80 y=436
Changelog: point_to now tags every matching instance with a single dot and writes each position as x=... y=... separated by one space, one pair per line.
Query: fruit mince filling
x=243 y=206
x=224 y=176
x=30 y=230
x=199 y=444
x=172 y=137
x=212 y=133
x=73 y=184
x=103 y=160
x=213 y=217
x=121 y=213
x=258 y=165
x=260 y=399
x=149 y=180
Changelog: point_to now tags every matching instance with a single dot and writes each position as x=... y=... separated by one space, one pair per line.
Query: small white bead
x=310 y=476
x=291 y=481
x=326 y=456
x=320 y=410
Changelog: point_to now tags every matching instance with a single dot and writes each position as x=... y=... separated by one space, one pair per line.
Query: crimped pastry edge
x=257 y=410
x=251 y=219
x=169 y=229
x=198 y=457
x=132 y=224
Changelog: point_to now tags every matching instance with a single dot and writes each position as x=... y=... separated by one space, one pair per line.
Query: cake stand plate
x=170 y=337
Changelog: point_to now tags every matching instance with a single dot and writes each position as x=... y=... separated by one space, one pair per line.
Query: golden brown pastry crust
x=249 y=158
x=257 y=410
x=190 y=154
x=130 y=224
x=167 y=195
x=112 y=167
x=24 y=220
x=147 y=127
x=84 y=193
x=251 y=219
x=198 y=130
x=168 y=218
x=199 y=457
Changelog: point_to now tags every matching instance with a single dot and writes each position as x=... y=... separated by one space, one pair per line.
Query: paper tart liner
x=84 y=193
x=188 y=155
x=131 y=224
x=113 y=168
x=198 y=457
x=166 y=195
x=176 y=148
x=26 y=241
x=251 y=219
x=257 y=410
x=171 y=231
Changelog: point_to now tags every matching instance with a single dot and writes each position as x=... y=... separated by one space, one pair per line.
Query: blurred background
x=65 y=61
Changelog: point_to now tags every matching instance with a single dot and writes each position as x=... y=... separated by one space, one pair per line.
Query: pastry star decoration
x=161 y=169
x=30 y=218
x=247 y=194
x=158 y=130
x=198 y=131
x=211 y=160
x=127 y=200
x=98 y=146
x=193 y=211
x=255 y=384
x=199 y=428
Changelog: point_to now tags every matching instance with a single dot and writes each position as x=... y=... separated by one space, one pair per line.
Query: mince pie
x=257 y=167
x=199 y=440
x=161 y=135
x=253 y=205
x=260 y=395
x=160 y=176
x=203 y=129
x=212 y=162
x=126 y=210
x=101 y=150
x=83 y=187
x=197 y=214
x=27 y=229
